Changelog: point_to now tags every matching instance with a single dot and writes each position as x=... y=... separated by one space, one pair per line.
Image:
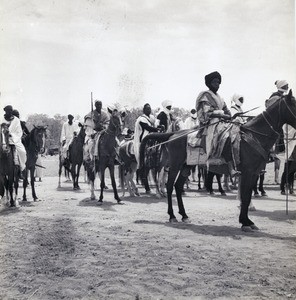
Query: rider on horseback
x=69 y=130
x=212 y=112
x=15 y=137
x=94 y=122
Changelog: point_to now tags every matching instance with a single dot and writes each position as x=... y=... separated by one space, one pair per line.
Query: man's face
x=215 y=84
x=147 y=110
x=98 y=105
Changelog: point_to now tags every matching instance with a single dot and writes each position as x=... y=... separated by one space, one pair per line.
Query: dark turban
x=211 y=76
x=70 y=116
x=8 y=108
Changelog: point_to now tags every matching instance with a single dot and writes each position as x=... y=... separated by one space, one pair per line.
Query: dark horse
x=76 y=156
x=75 y=161
x=34 y=143
x=8 y=169
x=106 y=158
x=257 y=138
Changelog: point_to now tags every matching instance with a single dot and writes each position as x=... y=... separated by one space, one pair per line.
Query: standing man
x=69 y=129
x=190 y=123
x=15 y=136
x=165 y=116
x=144 y=125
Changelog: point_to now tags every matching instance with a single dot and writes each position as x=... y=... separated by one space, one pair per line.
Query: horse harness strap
x=254 y=143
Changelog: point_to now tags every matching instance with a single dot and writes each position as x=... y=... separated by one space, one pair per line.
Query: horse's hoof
x=223 y=194
x=92 y=198
x=100 y=202
x=173 y=220
x=246 y=228
x=252 y=208
x=263 y=194
x=158 y=196
x=254 y=227
x=186 y=220
x=137 y=194
x=256 y=195
x=120 y=202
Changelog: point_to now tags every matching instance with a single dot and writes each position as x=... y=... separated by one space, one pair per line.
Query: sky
x=54 y=54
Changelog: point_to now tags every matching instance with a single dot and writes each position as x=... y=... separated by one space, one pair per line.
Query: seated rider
x=69 y=130
x=23 y=124
x=15 y=137
x=212 y=112
x=94 y=122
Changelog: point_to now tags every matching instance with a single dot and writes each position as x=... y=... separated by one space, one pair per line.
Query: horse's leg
x=77 y=176
x=179 y=188
x=32 y=178
x=111 y=170
x=25 y=184
x=102 y=184
x=73 y=175
x=132 y=175
x=247 y=182
x=60 y=173
x=222 y=192
x=209 y=182
x=255 y=189
x=173 y=173
x=261 y=188
x=226 y=183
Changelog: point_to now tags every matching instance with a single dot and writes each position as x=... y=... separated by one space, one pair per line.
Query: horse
x=106 y=158
x=73 y=164
x=127 y=168
x=76 y=156
x=257 y=138
x=157 y=159
x=63 y=163
x=34 y=144
x=8 y=178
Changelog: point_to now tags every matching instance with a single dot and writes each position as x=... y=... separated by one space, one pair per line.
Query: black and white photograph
x=147 y=149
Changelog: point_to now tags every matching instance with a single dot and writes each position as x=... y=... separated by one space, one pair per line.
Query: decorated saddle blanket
x=196 y=150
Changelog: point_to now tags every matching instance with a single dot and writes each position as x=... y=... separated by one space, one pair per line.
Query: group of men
x=209 y=113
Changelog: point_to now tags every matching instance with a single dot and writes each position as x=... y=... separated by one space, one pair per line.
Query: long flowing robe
x=140 y=133
x=215 y=130
x=16 y=133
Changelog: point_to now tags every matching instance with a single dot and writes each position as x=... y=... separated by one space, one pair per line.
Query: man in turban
x=211 y=112
x=236 y=107
x=165 y=116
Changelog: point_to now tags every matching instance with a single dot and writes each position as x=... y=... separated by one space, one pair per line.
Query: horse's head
x=289 y=109
x=39 y=136
x=115 y=125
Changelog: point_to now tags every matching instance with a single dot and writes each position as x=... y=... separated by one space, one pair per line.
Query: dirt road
x=67 y=247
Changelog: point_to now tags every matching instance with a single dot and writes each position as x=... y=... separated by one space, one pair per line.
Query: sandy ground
x=68 y=247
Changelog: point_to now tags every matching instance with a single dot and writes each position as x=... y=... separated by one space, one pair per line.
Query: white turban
x=280 y=83
x=235 y=99
x=166 y=103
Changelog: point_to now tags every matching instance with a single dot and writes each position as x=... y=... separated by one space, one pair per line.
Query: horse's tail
x=157 y=137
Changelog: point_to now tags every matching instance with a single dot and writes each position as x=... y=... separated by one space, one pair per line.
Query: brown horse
x=257 y=138
x=106 y=158
x=34 y=143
